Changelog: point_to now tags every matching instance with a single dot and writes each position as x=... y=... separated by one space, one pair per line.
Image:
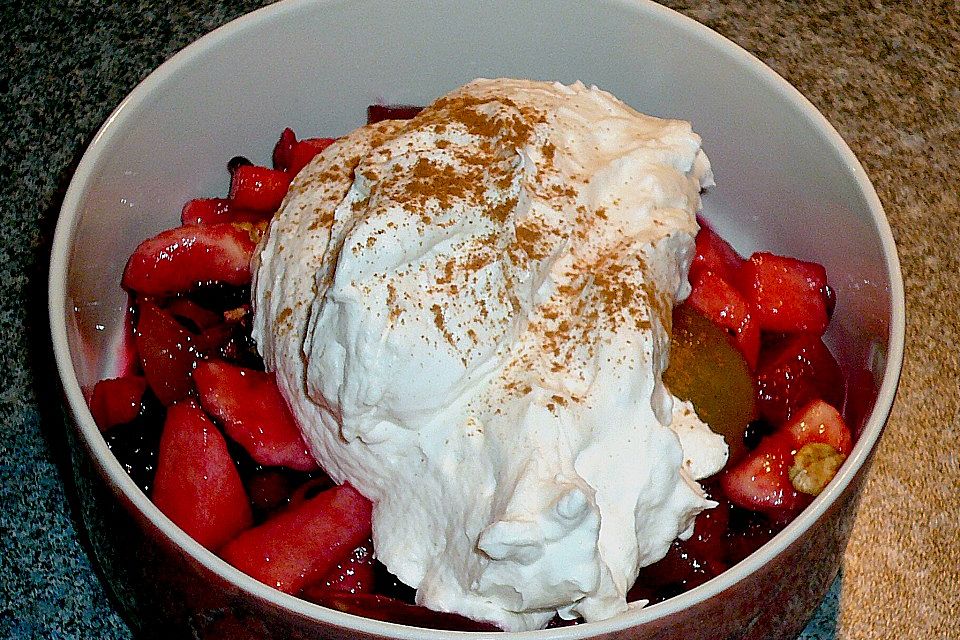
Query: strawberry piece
x=167 y=353
x=302 y=544
x=202 y=211
x=305 y=151
x=380 y=112
x=352 y=574
x=259 y=188
x=719 y=301
x=789 y=294
x=388 y=609
x=761 y=481
x=176 y=260
x=281 y=151
x=794 y=371
x=820 y=422
x=714 y=255
x=117 y=401
x=254 y=413
x=197 y=485
x=205 y=211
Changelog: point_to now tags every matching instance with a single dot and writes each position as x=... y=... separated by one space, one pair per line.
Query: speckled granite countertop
x=886 y=74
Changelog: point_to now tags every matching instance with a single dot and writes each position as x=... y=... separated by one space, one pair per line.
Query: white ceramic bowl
x=786 y=182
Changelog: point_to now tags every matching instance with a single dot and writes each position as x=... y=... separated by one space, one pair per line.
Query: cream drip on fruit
x=469 y=314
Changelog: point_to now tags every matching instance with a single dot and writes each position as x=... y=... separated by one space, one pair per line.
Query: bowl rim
x=110 y=469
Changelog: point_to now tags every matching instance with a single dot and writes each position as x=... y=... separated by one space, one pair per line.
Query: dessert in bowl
x=238 y=597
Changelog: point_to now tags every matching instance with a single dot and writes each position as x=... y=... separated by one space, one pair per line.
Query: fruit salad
x=205 y=431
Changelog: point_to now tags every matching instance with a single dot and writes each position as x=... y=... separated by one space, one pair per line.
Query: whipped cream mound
x=469 y=313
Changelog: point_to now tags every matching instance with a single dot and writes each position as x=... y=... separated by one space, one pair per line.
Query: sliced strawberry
x=379 y=112
x=117 y=401
x=197 y=485
x=789 y=294
x=259 y=188
x=384 y=608
x=215 y=210
x=302 y=544
x=794 y=371
x=205 y=211
x=305 y=151
x=352 y=574
x=761 y=482
x=820 y=422
x=281 y=152
x=167 y=353
x=714 y=255
x=720 y=302
x=253 y=413
x=179 y=259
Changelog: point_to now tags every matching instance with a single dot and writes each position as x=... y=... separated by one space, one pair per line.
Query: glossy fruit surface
x=304 y=542
x=196 y=484
x=254 y=414
x=179 y=259
x=117 y=401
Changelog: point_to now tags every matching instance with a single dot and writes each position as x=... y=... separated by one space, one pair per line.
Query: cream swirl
x=469 y=313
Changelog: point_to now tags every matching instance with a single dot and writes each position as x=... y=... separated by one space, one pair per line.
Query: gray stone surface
x=885 y=73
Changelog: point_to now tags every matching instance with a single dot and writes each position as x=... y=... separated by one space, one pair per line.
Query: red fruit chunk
x=353 y=574
x=205 y=211
x=721 y=303
x=213 y=210
x=167 y=353
x=302 y=544
x=305 y=151
x=253 y=413
x=117 y=401
x=789 y=294
x=197 y=485
x=793 y=372
x=819 y=422
x=379 y=112
x=714 y=255
x=761 y=482
x=179 y=259
x=259 y=188
x=281 y=152
x=388 y=609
